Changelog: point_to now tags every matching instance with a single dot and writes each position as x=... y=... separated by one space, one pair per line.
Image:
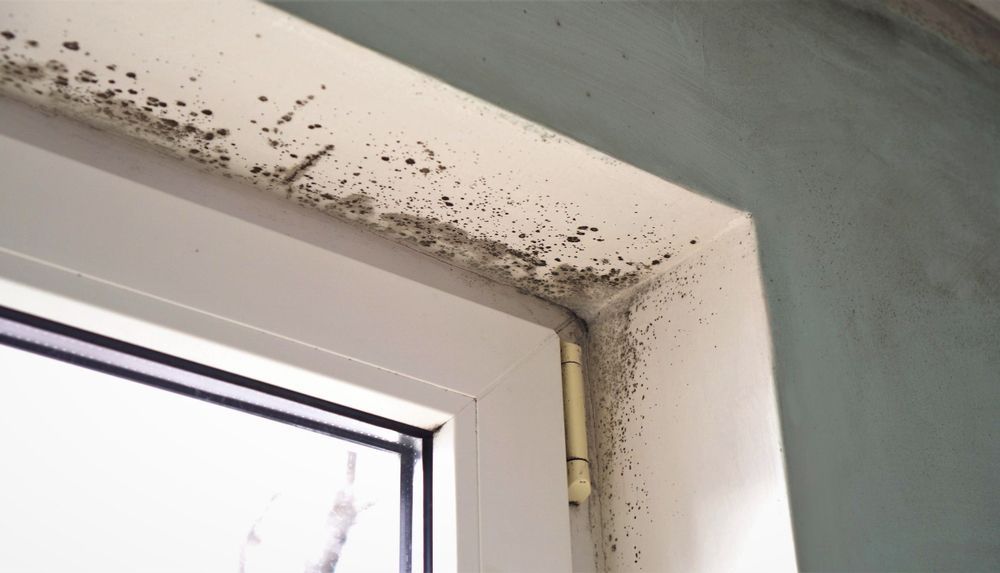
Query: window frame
x=90 y=224
x=104 y=354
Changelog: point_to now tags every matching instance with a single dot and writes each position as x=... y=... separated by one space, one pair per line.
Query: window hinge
x=575 y=417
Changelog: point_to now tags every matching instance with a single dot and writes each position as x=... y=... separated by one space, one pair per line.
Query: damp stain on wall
x=312 y=139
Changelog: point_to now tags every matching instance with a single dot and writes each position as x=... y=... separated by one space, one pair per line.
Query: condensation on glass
x=190 y=469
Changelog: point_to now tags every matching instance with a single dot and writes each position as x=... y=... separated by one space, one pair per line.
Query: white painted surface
x=690 y=463
x=525 y=515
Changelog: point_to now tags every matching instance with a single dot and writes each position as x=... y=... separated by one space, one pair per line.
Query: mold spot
x=73 y=46
x=308 y=163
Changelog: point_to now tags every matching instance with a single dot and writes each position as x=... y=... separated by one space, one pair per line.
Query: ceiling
x=247 y=92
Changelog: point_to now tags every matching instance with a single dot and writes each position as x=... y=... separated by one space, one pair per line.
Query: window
x=119 y=458
x=241 y=286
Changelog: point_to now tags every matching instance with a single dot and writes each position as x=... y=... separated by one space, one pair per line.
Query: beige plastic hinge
x=575 y=417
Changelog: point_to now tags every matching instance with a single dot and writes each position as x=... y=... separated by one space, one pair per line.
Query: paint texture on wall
x=247 y=92
x=868 y=151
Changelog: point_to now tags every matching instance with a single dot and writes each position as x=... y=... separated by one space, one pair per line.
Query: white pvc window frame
x=88 y=247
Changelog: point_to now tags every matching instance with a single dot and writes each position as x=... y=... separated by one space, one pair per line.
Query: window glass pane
x=105 y=474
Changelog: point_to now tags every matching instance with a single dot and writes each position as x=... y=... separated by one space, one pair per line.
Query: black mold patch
x=618 y=385
x=623 y=388
x=307 y=163
x=82 y=95
x=403 y=189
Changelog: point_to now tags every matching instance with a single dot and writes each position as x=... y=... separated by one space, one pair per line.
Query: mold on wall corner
x=358 y=137
x=685 y=418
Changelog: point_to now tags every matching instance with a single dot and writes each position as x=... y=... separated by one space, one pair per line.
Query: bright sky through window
x=105 y=474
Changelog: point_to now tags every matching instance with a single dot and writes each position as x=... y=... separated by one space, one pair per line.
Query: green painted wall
x=869 y=154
